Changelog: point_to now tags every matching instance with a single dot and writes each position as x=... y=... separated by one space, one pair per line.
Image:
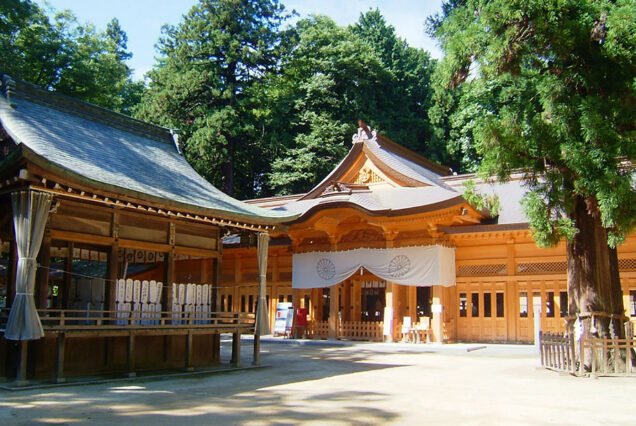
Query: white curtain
x=30 y=213
x=413 y=266
x=262 y=318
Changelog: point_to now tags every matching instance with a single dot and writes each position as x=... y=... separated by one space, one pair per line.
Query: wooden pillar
x=131 y=355
x=389 y=313
x=510 y=294
x=390 y=296
x=346 y=301
x=59 y=358
x=236 y=349
x=166 y=295
x=412 y=303
x=437 y=308
x=68 y=276
x=357 y=301
x=297 y=296
x=256 y=358
x=21 y=377
x=113 y=275
x=317 y=302
x=168 y=280
x=334 y=308
x=11 y=273
x=188 y=352
x=215 y=303
x=511 y=311
x=42 y=280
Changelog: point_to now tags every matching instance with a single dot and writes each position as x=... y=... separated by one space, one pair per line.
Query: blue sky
x=142 y=19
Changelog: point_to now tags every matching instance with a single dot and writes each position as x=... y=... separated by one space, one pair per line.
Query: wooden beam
x=190 y=251
x=59 y=358
x=81 y=238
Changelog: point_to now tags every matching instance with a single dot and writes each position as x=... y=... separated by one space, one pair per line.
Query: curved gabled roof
x=385 y=202
x=393 y=159
x=113 y=152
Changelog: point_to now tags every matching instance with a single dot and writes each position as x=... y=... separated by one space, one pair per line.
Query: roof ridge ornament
x=175 y=139
x=8 y=86
x=365 y=133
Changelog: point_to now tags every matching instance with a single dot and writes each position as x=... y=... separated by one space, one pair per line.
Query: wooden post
x=346 y=300
x=68 y=276
x=44 y=260
x=437 y=322
x=389 y=312
x=59 y=359
x=131 y=355
x=188 y=352
x=11 y=273
x=356 y=300
x=629 y=341
x=236 y=349
x=256 y=360
x=334 y=305
x=412 y=301
x=113 y=275
x=21 y=378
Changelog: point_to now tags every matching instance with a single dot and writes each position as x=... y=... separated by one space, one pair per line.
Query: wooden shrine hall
x=386 y=247
x=110 y=245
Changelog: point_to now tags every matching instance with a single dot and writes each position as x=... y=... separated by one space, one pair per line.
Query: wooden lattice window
x=627 y=264
x=482 y=270
x=542 y=268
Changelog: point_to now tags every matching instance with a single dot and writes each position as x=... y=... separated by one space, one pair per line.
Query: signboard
x=284 y=315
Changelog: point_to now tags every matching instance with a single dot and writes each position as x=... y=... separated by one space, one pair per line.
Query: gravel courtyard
x=336 y=383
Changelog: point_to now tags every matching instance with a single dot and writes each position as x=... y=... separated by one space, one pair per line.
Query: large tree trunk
x=594 y=288
x=227 y=173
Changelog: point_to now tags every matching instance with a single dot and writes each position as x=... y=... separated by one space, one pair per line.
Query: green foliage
x=329 y=78
x=545 y=86
x=479 y=200
x=405 y=96
x=60 y=54
x=206 y=83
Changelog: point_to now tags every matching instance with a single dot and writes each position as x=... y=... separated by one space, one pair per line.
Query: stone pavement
x=341 y=383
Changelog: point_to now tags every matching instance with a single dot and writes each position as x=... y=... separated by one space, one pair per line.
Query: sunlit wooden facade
x=383 y=196
x=128 y=268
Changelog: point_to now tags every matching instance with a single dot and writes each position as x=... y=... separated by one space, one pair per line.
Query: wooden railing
x=353 y=330
x=603 y=357
x=557 y=352
x=95 y=320
x=318 y=330
x=361 y=330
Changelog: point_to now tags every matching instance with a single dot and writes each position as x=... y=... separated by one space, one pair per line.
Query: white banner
x=413 y=266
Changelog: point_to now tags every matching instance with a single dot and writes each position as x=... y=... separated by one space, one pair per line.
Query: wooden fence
x=350 y=330
x=361 y=330
x=603 y=357
x=318 y=329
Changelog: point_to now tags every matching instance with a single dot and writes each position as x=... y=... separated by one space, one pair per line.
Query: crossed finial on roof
x=364 y=133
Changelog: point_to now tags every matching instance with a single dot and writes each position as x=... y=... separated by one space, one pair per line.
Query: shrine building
x=387 y=248
x=109 y=244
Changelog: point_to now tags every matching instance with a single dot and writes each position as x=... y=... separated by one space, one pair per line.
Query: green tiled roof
x=114 y=152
